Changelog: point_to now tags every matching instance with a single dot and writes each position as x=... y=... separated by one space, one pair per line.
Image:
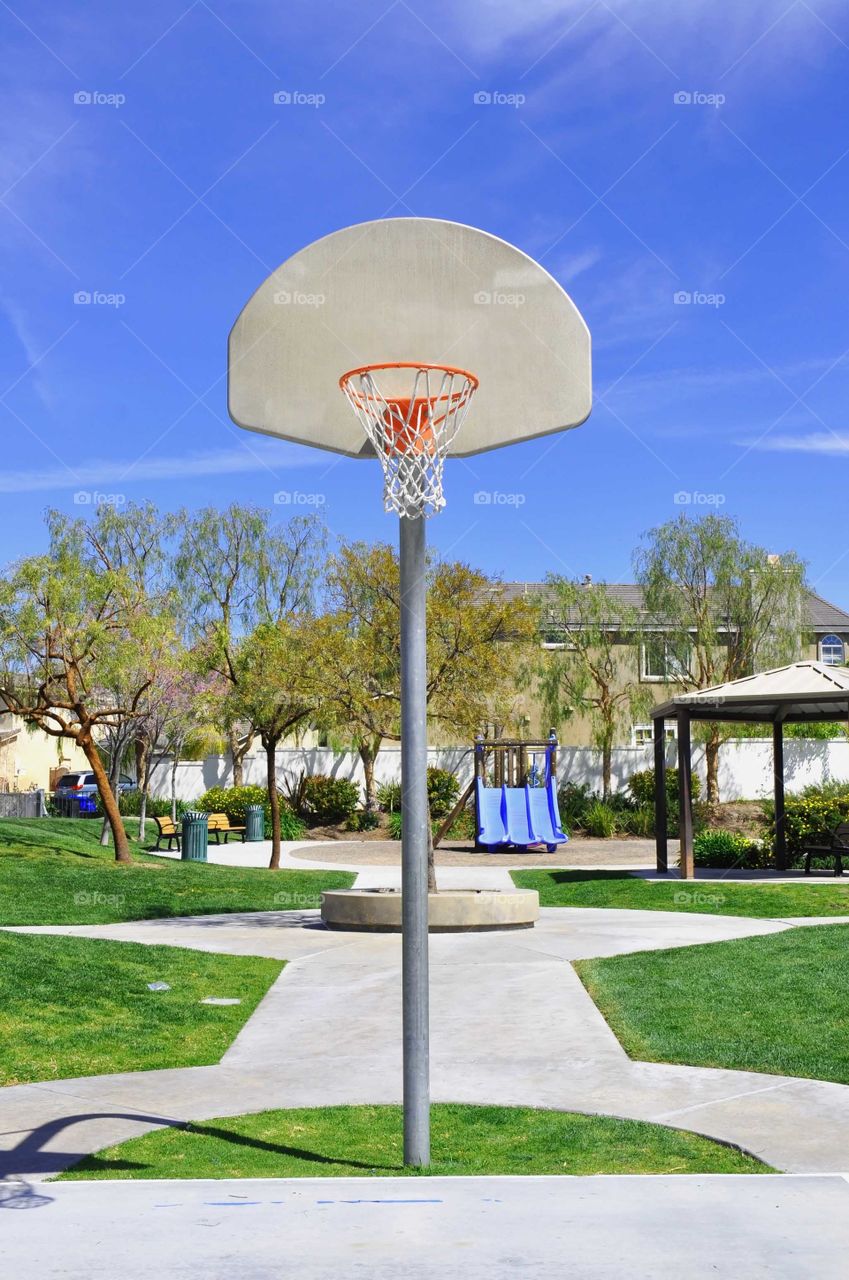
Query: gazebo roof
x=802 y=691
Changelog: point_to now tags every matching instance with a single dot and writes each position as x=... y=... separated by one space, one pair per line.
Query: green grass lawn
x=348 y=1141
x=711 y=897
x=778 y=1003
x=76 y=1006
x=53 y=871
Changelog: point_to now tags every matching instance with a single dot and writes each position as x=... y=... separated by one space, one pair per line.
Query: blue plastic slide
x=492 y=828
x=544 y=818
x=518 y=815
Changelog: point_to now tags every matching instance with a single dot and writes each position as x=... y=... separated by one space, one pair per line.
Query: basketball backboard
x=409 y=289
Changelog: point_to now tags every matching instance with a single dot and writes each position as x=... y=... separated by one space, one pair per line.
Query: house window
x=642 y=735
x=658 y=661
x=832 y=651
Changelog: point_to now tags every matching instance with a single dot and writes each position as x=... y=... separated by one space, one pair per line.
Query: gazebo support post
x=685 y=800
x=660 y=818
x=778 y=792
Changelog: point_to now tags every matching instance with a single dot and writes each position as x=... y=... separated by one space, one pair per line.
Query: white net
x=411 y=433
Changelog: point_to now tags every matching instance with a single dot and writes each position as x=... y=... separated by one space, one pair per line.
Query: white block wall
x=745 y=766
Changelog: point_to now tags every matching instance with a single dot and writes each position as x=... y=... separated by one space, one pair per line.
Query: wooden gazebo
x=804 y=692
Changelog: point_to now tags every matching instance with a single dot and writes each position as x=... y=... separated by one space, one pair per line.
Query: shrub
x=573 y=801
x=599 y=820
x=394 y=825
x=641 y=787
x=234 y=802
x=727 y=849
x=327 y=800
x=463 y=826
x=388 y=796
x=129 y=804
x=363 y=820
x=809 y=818
x=442 y=791
x=638 y=821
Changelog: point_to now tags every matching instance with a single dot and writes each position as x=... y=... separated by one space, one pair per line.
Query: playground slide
x=492 y=829
x=518 y=815
x=546 y=827
x=519 y=829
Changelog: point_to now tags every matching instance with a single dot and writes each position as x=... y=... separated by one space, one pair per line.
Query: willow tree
x=474 y=634
x=720 y=606
x=590 y=669
x=280 y=686
x=237 y=570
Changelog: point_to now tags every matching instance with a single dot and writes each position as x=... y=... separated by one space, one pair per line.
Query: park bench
x=167 y=830
x=836 y=849
x=220 y=825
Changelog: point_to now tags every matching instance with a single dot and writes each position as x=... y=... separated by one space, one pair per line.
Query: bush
x=363 y=820
x=394 y=825
x=599 y=820
x=442 y=791
x=573 y=801
x=327 y=800
x=388 y=796
x=641 y=787
x=727 y=849
x=810 y=817
x=638 y=821
x=129 y=804
x=463 y=827
x=234 y=802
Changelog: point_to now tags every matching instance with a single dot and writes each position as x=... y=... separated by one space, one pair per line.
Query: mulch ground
x=461 y=853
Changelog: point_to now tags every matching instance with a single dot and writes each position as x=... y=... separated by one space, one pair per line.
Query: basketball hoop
x=411 y=429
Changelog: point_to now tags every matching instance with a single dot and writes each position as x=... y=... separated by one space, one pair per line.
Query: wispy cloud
x=101 y=473
x=824 y=443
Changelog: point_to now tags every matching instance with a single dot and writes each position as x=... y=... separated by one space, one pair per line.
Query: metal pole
x=414 y=842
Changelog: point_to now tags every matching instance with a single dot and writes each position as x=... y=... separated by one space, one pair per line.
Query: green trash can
x=195 y=836
x=254 y=822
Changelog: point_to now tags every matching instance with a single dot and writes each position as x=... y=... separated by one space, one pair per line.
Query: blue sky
x=641 y=150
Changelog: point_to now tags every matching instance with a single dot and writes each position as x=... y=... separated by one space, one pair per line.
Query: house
x=31 y=758
x=824 y=636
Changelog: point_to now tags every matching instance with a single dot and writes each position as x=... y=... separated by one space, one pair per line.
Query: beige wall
x=28 y=755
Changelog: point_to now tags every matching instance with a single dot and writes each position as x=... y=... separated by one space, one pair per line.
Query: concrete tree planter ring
x=449 y=911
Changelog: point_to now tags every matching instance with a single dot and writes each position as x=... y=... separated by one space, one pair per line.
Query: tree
x=236 y=571
x=72 y=625
x=472 y=656
x=592 y=674
x=721 y=608
x=278 y=686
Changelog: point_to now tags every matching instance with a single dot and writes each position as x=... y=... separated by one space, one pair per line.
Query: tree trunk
x=712 y=745
x=114 y=779
x=431 y=861
x=606 y=757
x=175 y=760
x=110 y=804
x=368 y=755
x=274 y=800
x=143 y=781
x=238 y=751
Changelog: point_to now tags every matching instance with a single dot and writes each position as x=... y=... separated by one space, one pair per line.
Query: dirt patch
x=742 y=817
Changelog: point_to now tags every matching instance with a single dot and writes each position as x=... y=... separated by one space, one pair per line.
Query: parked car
x=83 y=784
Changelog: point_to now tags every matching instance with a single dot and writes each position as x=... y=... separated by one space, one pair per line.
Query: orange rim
x=410 y=364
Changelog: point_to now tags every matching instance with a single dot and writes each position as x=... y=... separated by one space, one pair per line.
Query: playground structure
x=520 y=808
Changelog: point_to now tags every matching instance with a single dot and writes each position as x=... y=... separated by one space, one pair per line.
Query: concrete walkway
x=511 y=1024
x=605 y=1228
